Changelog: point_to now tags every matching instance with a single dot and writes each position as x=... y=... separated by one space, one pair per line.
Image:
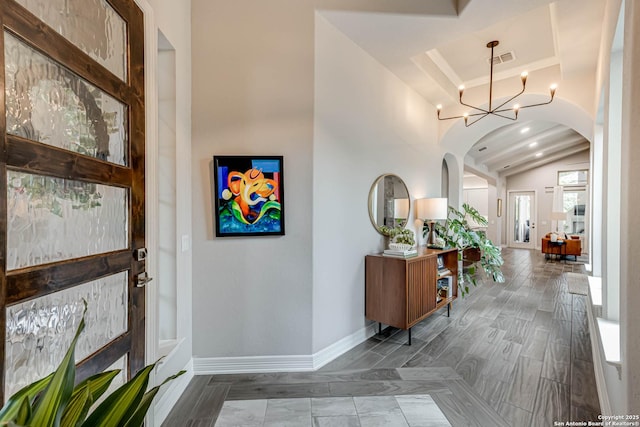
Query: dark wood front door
x=71 y=186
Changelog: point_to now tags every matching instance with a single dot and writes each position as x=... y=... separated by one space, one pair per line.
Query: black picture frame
x=248 y=193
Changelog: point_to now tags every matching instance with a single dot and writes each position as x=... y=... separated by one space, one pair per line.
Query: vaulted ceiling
x=436 y=52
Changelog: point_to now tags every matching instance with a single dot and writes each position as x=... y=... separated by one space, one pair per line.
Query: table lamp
x=558 y=216
x=432 y=210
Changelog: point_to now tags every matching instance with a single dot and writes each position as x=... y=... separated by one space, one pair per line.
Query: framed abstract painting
x=249 y=195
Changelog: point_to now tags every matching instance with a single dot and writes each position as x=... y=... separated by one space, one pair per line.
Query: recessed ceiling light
x=539 y=154
x=524 y=130
x=533 y=144
x=482 y=148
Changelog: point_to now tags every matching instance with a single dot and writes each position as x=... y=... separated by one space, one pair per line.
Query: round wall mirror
x=389 y=202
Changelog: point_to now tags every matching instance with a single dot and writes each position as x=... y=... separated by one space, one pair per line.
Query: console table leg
x=379 y=328
x=409 y=330
x=449 y=310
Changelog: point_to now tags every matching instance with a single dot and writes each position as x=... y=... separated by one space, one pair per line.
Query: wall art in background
x=249 y=195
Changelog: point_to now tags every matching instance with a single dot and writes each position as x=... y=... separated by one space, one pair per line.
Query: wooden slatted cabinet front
x=400 y=292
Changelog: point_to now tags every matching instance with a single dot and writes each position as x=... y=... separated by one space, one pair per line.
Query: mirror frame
x=370 y=200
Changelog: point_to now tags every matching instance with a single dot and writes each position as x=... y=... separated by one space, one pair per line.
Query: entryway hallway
x=513 y=354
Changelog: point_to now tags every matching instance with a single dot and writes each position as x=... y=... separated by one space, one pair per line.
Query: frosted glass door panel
x=522 y=224
x=91 y=25
x=49 y=104
x=522 y=219
x=40 y=331
x=53 y=219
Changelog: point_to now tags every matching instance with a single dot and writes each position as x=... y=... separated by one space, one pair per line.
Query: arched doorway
x=463 y=143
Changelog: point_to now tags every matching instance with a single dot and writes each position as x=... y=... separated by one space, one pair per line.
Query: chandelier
x=498 y=110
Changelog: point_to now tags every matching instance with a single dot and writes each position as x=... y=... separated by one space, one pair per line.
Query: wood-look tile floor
x=516 y=354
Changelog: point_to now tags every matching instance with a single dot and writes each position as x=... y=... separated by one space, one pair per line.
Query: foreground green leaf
x=49 y=408
x=24 y=412
x=10 y=410
x=122 y=403
x=78 y=407
x=84 y=395
x=137 y=418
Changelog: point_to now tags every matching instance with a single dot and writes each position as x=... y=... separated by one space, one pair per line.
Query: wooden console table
x=401 y=292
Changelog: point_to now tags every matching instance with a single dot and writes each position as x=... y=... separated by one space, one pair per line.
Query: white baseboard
x=597 y=352
x=174 y=390
x=264 y=364
x=251 y=364
x=336 y=349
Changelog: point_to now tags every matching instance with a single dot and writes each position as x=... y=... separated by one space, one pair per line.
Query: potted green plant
x=399 y=236
x=473 y=246
x=54 y=401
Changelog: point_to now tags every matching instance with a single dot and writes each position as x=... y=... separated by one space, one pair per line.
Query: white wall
x=167 y=240
x=611 y=280
x=595 y=254
x=173 y=19
x=538 y=180
x=296 y=294
x=630 y=205
x=367 y=122
x=477 y=198
x=253 y=94
x=610 y=382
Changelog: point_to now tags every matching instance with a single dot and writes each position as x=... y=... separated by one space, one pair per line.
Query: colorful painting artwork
x=249 y=196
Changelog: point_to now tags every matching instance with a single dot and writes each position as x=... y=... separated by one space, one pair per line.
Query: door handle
x=142 y=279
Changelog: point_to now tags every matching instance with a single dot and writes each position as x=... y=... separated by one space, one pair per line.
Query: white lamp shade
x=558 y=216
x=401 y=208
x=435 y=208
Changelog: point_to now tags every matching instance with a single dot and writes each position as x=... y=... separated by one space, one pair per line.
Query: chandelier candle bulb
x=523 y=77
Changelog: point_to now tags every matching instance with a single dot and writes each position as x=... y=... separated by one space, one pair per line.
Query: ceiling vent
x=503 y=59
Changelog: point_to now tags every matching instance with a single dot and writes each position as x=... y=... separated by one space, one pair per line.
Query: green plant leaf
x=137 y=418
x=85 y=393
x=24 y=412
x=122 y=403
x=78 y=407
x=11 y=408
x=99 y=383
x=51 y=404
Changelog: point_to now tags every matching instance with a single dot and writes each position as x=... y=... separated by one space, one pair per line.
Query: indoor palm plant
x=54 y=401
x=458 y=233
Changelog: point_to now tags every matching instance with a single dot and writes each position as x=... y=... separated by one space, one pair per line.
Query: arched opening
x=444 y=188
x=560 y=116
x=451 y=179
